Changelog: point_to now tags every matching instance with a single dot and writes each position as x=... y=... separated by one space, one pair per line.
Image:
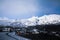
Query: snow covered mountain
x=46 y=19
x=17 y=24
x=31 y=21
x=49 y=19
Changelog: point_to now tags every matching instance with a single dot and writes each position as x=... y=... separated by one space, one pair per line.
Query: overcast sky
x=21 y=9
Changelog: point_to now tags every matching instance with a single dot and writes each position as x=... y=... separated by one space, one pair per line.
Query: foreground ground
x=41 y=36
x=3 y=36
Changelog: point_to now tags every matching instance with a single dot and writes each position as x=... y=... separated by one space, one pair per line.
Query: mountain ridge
x=33 y=21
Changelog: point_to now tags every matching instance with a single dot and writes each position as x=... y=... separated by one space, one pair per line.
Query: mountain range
x=33 y=21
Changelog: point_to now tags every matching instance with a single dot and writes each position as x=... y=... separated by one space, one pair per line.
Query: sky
x=21 y=9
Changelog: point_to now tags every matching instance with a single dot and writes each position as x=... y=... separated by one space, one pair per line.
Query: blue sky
x=21 y=9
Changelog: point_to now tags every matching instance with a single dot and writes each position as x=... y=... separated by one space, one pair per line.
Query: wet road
x=3 y=36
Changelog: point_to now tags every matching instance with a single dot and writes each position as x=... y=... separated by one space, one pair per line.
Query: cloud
x=5 y=19
x=19 y=7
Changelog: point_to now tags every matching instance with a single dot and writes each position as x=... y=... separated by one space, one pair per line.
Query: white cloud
x=6 y=21
x=19 y=7
x=3 y=18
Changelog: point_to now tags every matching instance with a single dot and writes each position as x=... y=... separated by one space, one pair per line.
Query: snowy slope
x=30 y=22
x=17 y=24
x=46 y=19
x=49 y=19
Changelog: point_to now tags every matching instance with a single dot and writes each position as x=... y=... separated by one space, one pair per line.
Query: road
x=3 y=36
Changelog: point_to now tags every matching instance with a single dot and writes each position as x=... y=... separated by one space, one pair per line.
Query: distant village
x=33 y=30
x=30 y=28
